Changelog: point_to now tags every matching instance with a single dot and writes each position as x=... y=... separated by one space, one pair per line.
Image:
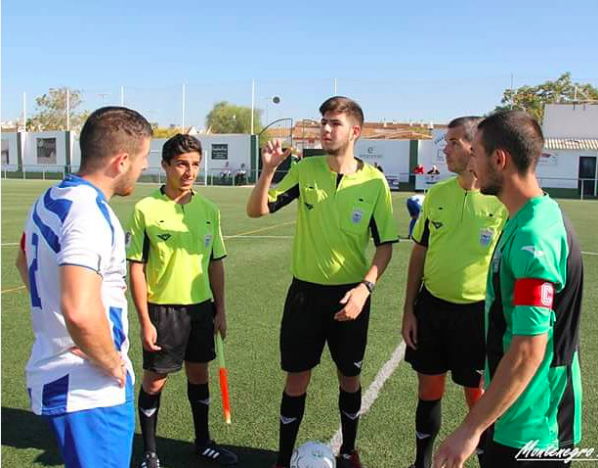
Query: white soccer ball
x=313 y=454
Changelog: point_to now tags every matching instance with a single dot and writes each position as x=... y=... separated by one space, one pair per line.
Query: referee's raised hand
x=273 y=154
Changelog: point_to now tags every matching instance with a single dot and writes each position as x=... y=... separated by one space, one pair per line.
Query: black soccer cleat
x=150 y=460
x=215 y=453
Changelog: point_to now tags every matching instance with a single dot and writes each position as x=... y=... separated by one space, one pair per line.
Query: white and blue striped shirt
x=72 y=224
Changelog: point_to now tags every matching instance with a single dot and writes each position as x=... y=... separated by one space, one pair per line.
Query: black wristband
x=369 y=285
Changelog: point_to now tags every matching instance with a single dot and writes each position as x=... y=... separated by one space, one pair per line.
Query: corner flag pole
x=223 y=378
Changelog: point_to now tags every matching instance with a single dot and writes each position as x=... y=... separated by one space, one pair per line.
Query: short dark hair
x=469 y=124
x=516 y=132
x=180 y=144
x=111 y=130
x=343 y=105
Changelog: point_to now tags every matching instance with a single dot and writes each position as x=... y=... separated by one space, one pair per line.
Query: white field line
x=373 y=390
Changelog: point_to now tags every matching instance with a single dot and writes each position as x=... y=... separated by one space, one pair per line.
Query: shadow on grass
x=22 y=429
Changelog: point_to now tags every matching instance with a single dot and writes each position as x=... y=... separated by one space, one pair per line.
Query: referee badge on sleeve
x=208 y=239
x=128 y=237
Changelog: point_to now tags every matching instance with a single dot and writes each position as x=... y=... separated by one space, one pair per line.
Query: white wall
x=239 y=152
x=392 y=155
x=561 y=168
x=570 y=121
x=30 y=141
x=430 y=153
x=11 y=140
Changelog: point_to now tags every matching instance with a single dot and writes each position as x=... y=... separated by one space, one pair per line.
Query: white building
x=571 y=148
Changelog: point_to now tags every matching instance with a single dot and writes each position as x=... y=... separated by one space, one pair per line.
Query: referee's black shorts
x=185 y=333
x=450 y=337
x=308 y=324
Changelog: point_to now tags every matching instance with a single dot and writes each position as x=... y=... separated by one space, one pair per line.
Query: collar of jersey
x=72 y=180
x=163 y=193
x=530 y=204
x=353 y=174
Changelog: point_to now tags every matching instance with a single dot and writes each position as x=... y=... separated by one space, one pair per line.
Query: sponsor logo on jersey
x=164 y=237
x=437 y=224
x=531 y=249
x=208 y=239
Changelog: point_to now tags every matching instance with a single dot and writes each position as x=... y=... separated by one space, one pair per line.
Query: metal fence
x=557 y=187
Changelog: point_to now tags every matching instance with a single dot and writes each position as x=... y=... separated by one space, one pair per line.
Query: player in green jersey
x=533 y=306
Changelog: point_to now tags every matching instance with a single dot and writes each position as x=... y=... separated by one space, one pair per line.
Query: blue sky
x=420 y=61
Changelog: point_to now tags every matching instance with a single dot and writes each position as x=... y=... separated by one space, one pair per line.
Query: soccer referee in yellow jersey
x=175 y=250
x=342 y=202
x=443 y=316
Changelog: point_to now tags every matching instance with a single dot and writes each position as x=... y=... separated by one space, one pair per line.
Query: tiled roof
x=571 y=144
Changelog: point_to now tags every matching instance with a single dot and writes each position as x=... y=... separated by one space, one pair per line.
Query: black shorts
x=308 y=323
x=185 y=333
x=500 y=456
x=450 y=337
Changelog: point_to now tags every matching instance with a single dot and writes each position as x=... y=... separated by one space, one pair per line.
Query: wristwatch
x=369 y=285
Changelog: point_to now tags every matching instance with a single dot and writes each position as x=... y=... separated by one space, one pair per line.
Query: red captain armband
x=23 y=242
x=533 y=292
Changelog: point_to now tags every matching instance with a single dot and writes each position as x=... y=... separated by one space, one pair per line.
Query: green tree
x=532 y=98
x=230 y=118
x=164 y=132
x=51 y=111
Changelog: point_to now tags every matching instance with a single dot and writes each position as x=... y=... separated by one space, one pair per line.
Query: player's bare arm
x=513 y=374
x=86 y=319
x=149 y=335
x=272 y=156
x=216 y=275
x=415 y=274
x=21 y=264
x=355 y=299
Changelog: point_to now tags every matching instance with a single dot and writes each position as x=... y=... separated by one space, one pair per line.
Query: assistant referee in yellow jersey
x=443 y=317
x=175 y=250
x=342 y=202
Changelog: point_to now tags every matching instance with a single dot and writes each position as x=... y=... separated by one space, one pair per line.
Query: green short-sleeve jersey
x=336 y=216
x=460 y=229
x=534 y=287
x=177 y=243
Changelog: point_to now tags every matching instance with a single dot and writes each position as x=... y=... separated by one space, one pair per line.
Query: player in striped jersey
x=79 y=377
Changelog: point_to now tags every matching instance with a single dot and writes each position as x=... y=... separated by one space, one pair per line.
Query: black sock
x=427 y=425
x=349 y=405
x=291 y=414
x=148 y=418
x=199 y=398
